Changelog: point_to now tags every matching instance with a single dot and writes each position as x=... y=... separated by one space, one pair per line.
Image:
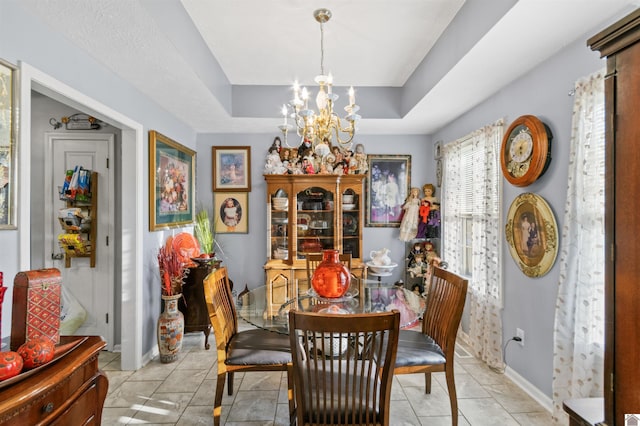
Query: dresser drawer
x=70 y=391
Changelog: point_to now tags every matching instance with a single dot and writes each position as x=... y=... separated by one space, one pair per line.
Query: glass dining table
x=377 y=297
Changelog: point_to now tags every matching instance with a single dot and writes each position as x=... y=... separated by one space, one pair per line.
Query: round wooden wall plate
x=532 y=234
x=525 y=153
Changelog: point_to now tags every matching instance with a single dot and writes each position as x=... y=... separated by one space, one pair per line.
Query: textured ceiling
x=417 y=63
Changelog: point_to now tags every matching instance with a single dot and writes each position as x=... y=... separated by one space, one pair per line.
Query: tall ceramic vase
x=170 y=329
x=331 y=278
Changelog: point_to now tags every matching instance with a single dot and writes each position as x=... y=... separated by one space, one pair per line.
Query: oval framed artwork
x=532 y=234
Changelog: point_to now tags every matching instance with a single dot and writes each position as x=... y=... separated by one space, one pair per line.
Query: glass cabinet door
x=279 y=222
x=316 y=220
x=351 y=226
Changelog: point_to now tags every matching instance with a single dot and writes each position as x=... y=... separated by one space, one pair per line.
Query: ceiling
x=227 y=66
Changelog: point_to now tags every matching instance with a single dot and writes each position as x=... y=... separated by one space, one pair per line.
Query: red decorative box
x=36 y=306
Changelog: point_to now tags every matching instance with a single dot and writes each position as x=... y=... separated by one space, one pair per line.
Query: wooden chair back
x=445 y=303
x=343 y=366
x=314 y=259
x=222 y=311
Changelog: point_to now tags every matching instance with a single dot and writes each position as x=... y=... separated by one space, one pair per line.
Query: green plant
x=203 y=232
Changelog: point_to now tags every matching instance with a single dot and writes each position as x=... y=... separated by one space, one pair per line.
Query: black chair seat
x=416 y=348
x=259 y=347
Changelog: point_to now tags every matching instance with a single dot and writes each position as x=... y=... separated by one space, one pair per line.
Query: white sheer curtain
x=472 y=233
x=579 y=323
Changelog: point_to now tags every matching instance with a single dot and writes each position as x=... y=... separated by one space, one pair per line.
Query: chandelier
x=323 y=126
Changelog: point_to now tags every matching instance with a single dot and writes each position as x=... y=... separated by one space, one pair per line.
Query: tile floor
x=181 y=393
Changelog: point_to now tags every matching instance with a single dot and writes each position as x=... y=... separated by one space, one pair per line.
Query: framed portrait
x=172 y=172
x=231 y=168
x=387 y=188
x=532 y=234
x=231 y=212
x=8 y=135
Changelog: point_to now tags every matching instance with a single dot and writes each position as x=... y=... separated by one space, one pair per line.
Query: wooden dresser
x=620 y=44
x=192 y=304
x=68 y=391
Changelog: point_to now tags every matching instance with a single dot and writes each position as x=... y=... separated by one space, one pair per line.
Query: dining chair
x=343 y=366
x=248 y=350
x=432 y=349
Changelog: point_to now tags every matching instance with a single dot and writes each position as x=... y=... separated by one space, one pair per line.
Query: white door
x=93 y=287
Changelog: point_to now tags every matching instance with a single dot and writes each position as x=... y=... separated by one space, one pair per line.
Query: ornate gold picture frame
x=532 y=234
x=172 y=189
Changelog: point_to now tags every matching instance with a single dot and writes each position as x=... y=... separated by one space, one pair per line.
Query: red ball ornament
x=10 y=364
x=36 y=352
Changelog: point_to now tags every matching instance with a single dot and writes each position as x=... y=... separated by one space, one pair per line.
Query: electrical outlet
x=520 y=334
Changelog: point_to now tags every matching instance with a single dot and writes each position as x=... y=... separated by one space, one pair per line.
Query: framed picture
x=8 y=134
x=231 y=212
x=231 y=168
x=532 y=234
x=387 y=188
x=437 y=150
x=172 y=172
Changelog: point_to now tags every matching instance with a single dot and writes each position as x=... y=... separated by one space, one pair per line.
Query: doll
x=409 y=223
x=425 y=207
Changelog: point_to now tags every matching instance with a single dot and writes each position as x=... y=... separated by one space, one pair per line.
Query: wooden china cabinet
x=619 y=43
x=308 y=214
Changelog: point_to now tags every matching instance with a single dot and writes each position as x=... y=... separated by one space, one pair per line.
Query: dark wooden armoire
x=619 y=43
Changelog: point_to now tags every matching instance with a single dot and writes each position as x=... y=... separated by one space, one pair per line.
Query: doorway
x=130 y=189
x=93 y=286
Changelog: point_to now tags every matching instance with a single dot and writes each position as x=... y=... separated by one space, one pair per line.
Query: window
x=472 y=234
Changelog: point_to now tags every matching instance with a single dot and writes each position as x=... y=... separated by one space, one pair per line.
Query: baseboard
x=147 y=357
x=519 y=381
x=529 y=389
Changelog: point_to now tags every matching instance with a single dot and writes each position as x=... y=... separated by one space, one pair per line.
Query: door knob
x=57 y=256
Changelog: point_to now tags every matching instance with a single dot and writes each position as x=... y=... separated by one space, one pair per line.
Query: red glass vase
x=331 y=278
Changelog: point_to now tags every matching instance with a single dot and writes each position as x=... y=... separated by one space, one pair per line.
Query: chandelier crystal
x=323 y=126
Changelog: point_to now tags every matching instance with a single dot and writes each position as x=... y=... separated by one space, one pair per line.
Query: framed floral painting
x=172 y=171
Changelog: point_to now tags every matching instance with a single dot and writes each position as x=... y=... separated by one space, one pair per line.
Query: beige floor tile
x=196 y=416
x=252 y=406
x=131 y=393
x=485 y=412
x=513 y=399
x=163 y=408
x=183 y=381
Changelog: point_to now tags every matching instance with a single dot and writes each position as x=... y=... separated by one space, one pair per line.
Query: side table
x=193 y=305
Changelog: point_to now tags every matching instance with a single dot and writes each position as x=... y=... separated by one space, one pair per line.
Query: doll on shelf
x=419 y=268
x=433 y=223
x=409 y=223
x=423 y=213
x=417 y=249
x=361 y=160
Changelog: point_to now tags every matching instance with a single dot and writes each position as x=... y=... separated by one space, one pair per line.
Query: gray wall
x=529 y=303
